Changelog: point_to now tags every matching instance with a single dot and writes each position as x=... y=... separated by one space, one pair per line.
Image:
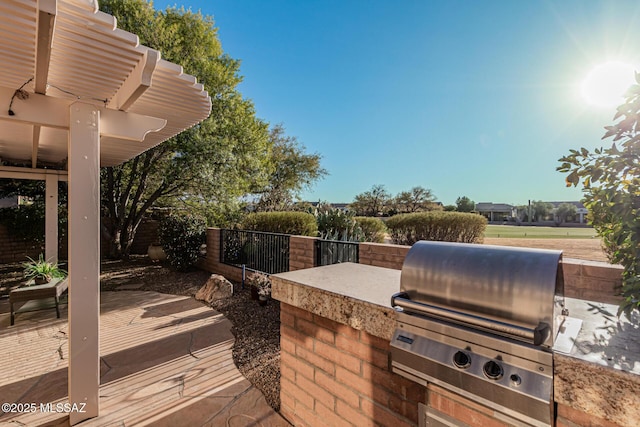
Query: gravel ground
x=256 y=351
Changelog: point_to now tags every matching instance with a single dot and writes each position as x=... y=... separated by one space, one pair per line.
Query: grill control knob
x=461 y=360
x=493 y=370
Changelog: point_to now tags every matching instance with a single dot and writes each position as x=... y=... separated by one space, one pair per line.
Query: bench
x=34 y=294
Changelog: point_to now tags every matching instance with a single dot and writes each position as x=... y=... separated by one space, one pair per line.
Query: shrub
x=407 y=229
x=336 y=224
x=181 y=238
x=373 y=229
x=296 y=223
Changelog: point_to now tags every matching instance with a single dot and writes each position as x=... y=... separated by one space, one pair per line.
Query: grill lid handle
x=534 y=336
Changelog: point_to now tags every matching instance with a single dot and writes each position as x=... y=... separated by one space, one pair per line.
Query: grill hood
x=517 y=292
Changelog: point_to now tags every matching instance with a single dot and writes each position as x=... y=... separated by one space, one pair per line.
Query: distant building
x=581 y=211
x=505 y=212
x=496 y=211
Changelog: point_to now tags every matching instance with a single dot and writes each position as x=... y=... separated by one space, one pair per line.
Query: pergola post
x=51 y=219
x=84 y=259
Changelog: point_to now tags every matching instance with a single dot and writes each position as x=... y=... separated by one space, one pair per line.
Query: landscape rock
x=217 y=287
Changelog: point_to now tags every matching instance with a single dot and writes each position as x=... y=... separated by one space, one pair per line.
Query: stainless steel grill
x=481 y=321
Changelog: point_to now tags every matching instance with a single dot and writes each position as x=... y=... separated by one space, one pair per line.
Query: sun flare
x=606 y=84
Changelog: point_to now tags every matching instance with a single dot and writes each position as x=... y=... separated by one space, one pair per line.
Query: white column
x=51 y=219
x=84 y=259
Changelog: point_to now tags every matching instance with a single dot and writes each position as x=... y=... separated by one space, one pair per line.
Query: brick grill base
x=335 y=375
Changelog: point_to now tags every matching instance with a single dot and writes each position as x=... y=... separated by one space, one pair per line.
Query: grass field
x=512 y=231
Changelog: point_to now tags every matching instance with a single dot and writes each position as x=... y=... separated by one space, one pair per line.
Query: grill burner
x=481 y=321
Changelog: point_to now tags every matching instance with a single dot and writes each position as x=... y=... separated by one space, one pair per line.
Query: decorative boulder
x=217 y=287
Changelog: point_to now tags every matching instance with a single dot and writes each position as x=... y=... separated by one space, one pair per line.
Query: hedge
x=181 y=238
x=373 y=229
x=406 y=229
x=295 y=223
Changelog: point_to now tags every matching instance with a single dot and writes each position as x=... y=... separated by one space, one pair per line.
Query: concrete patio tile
x=166 y=361
x=130 y=287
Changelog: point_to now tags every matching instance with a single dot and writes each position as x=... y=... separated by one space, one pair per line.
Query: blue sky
x=467 y=98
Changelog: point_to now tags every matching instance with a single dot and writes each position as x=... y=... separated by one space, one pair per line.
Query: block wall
x=211 y=262
x=302 y=252
x=590 y=280
x=383 y=255
x=14 y=249
x=334 y=375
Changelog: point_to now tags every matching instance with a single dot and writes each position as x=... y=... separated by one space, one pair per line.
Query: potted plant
x=260 y=287
x=41 y=271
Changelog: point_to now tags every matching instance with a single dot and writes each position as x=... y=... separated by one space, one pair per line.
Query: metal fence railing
x=256 y=250
x=333 y=251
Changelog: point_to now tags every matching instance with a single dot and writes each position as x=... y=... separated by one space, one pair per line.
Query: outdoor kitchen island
x=336 y=326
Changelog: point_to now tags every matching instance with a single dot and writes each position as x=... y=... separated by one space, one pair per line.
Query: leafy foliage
x=541 y=209
x=291 y=171
x=27 y=221
x=336 y=224
x=564 y=211
x=209 y=165
x=373 y=229
x=379 y=202
x=295 y=223
x=42 y=270
x=610 y=180
x=465 y=204
x=181 y=238
x=418 y=199
x=406 y=229
x=371 y=203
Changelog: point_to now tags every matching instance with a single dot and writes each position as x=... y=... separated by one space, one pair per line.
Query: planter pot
x=262 y=300
x=156 y=253
x=38 y=280
x=254 y=293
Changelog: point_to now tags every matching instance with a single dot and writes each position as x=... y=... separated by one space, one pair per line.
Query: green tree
x=418 y=199
x=564 y=211
x=27 y=220
x=291 y=171
x=371 y=203
x=523 y=213
x=211 y=164
x=465 y=204
x=541 y=209
x=610 y=180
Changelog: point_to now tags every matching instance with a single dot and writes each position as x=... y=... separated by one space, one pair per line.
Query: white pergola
x=96 y=97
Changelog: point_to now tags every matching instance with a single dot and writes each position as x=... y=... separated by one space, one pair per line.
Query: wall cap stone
x=356 y=295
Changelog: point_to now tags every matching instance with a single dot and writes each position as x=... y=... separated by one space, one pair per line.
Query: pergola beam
x=137 y=83
x=13 y=172
x=54 y=112
x=46 y=23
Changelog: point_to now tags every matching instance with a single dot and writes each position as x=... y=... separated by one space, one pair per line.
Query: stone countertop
x=357 y=295
x=600 y=375
x=605 y=339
